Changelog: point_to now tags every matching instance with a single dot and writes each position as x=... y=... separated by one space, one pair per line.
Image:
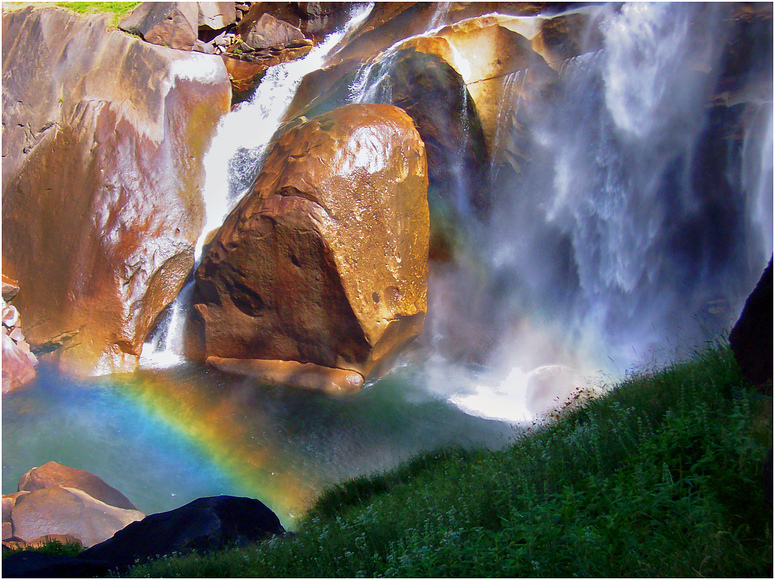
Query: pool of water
x=166 y=437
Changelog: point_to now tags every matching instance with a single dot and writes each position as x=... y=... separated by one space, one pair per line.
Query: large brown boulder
x=53 y=474
x=102 y=146
x=326 y=261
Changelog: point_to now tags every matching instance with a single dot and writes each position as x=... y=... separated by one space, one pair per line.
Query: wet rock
x=291 y=373
x=53 y=474
x=102 y=146
x=65 y=510
x=204 y=524
x=314 y=19
x=751 y=337
x=326 y=261
x=18 y=361
x=172 y=24
x=498 y=65
x=268 y=31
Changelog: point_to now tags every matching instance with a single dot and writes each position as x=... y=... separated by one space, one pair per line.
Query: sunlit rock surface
x=326 y=261
x=102 y=145
x=172 y=24
x=53 y=474
x=56 y=500
x=65 y=510
x=18 y=361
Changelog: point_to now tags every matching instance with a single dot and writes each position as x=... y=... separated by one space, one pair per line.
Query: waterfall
x=613 y=249
x=234 y=159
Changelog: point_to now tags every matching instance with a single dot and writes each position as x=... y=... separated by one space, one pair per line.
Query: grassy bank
x=662 y=477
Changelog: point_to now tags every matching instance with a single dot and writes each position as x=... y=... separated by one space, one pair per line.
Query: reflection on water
x=164 y=438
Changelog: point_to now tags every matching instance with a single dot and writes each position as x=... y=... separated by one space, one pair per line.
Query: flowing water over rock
x=626 y=228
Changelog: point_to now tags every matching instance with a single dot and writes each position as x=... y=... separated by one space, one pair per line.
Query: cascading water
x=621 y=226
x=231 y=164
x=613 y=243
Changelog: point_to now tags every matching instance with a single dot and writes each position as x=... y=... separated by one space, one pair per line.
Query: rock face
x=326 y=261
x=65 y=510
x=52 y=474
x=18 y=361
x=751 y=338
x=172 y=24
x=268 y=31
x=204 y=524
x=102 y=145
x=57 y=500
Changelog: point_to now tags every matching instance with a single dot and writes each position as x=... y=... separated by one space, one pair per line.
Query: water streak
x=231 y=165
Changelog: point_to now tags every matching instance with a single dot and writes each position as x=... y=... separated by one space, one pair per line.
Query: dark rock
x=10 y=289
x=751 y=338
x=204 y=524
x=52 y=474
x=37 y=565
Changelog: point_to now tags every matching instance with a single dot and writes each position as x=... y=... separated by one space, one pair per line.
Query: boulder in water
x=325 y=262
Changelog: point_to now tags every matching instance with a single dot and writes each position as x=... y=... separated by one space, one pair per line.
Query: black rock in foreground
x=751 y=338
x=204 y=524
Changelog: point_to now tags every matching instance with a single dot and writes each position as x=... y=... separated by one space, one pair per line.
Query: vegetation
x=662 y=477
x=53 y=547
x=117 y=9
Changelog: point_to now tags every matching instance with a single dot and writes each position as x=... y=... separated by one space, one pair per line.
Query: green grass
x=661 y=477
x=53 y=547
x=117 y=9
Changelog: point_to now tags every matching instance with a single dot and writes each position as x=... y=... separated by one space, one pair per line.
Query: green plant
x=660 y=477
x=53 y=547
x=117 y=9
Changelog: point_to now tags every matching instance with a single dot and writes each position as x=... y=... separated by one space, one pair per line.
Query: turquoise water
x=164 y=438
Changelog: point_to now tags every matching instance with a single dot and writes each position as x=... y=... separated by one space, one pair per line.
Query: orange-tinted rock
x=434 y=95
x=102 y=147
x=52 y=474
x=291 y=373
x=326 y=261
x=487 y=54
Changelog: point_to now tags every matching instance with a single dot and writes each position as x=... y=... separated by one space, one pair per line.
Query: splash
x=611 y=249
x=243 y=136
